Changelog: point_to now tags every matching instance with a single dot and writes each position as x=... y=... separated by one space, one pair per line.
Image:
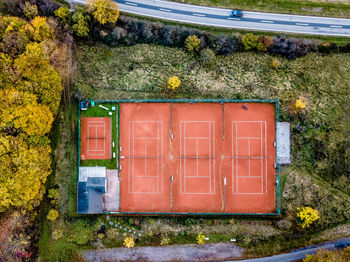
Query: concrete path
x=208 y=252
x=219 y=17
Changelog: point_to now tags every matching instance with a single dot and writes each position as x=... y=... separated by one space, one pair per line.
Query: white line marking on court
x=165 y=10
x=336 y=26
x=128 y=3
x=266 y=21
x=302 y=24
x=198 y=14
x=232 y=18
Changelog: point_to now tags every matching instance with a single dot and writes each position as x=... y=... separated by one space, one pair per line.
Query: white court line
x=336 y=26
x=128 y=3
x=266 y=157
x=198 y=14
x=261 y=153
x=266 y=21
x=302 y=24
x=165 y=10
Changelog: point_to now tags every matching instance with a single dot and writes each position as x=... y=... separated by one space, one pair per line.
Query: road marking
x=165 y=10
x=231 y=18
x=301 y=24
x=198 y=14
x=266 y=21
x=128 y=3
x=336 y=26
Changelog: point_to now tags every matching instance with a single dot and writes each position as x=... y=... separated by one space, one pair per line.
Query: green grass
x=100 y=112
x=316 y=8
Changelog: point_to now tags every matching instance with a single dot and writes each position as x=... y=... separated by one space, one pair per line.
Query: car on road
x=237 y=13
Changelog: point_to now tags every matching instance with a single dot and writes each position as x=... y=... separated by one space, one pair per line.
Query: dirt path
x=208 y=252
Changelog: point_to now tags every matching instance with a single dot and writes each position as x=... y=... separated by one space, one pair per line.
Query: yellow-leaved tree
x=21 y=111
x=104 y=11
x=24 y=169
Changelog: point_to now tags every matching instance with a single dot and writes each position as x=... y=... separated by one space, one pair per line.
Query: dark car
x=237 y=13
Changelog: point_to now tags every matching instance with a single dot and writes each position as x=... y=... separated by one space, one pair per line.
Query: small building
x=91 y=188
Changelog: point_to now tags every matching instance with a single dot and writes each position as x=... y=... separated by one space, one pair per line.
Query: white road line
x=232 y=18
x=336 y=26
x=266 y=21
x=128 y=3
x=198 y=14
x=301 y=24
x=165 y=10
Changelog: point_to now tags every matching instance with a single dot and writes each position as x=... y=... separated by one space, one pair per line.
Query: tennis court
x=95 y=138
x=197 y=158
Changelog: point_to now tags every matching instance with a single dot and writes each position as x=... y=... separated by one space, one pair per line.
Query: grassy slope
x=305 y=7
x=141 y=72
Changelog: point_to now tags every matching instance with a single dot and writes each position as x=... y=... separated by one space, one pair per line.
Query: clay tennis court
x=95 y=138
x=197 y=158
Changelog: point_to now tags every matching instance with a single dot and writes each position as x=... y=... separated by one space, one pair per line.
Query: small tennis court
x=194 y=157
x=95 y=138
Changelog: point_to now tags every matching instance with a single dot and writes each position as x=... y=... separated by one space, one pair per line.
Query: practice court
x=197 y=158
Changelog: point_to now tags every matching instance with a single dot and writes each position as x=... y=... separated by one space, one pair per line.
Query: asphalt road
x=298 y=254
x=218 y=17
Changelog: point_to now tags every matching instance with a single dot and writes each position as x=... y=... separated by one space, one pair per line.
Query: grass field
x=142 y=71
x=337 y=8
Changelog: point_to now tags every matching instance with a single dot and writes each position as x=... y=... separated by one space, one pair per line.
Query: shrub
x=290 y=48
x=57 y=234
x=207 y=57
x=81 y=232
x=173 y=82
x=30 y=11
x=192 y=43
x=129 y=242
x=329 y=256
x=200 y=238
x=264 y=43
x=306 y=216
x=275 y=64
x=52 y=215
x=63 y=13
x=300 y=103
x=250 y=41
x=164 y=241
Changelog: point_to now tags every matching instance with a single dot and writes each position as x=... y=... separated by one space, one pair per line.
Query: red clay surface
x=186 y=174
x=95 y=138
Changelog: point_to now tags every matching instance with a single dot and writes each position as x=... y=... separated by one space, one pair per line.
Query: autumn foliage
x=29 y=99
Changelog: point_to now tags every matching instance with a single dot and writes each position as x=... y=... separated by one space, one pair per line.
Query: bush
x=250 y=42
x=300 y=103
x=329 y=256
x=164 y=241
x=57 y=234
x=275 y=64
x=173 y=82
x=306 y=216
x=104 y=11
x=52 y=215
x=81 y=232
x=290 y=48
x=264 y=43
x=81 y=22
x=129 y=242
x=192 y=43
x=200 y=238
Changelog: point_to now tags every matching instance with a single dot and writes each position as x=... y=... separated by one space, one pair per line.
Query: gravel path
x=208 y=252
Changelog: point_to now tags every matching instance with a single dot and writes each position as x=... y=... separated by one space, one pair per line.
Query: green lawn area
x=100 y=112
x=317 y=8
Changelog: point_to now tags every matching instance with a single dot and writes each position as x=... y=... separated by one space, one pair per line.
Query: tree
x=104 y=11
x=20 y=162
x=20 y=110
x=81 y=22
x=250 y=41
x=30 y=11
x=192 y=43
x=39 y=29
x=63 y=13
